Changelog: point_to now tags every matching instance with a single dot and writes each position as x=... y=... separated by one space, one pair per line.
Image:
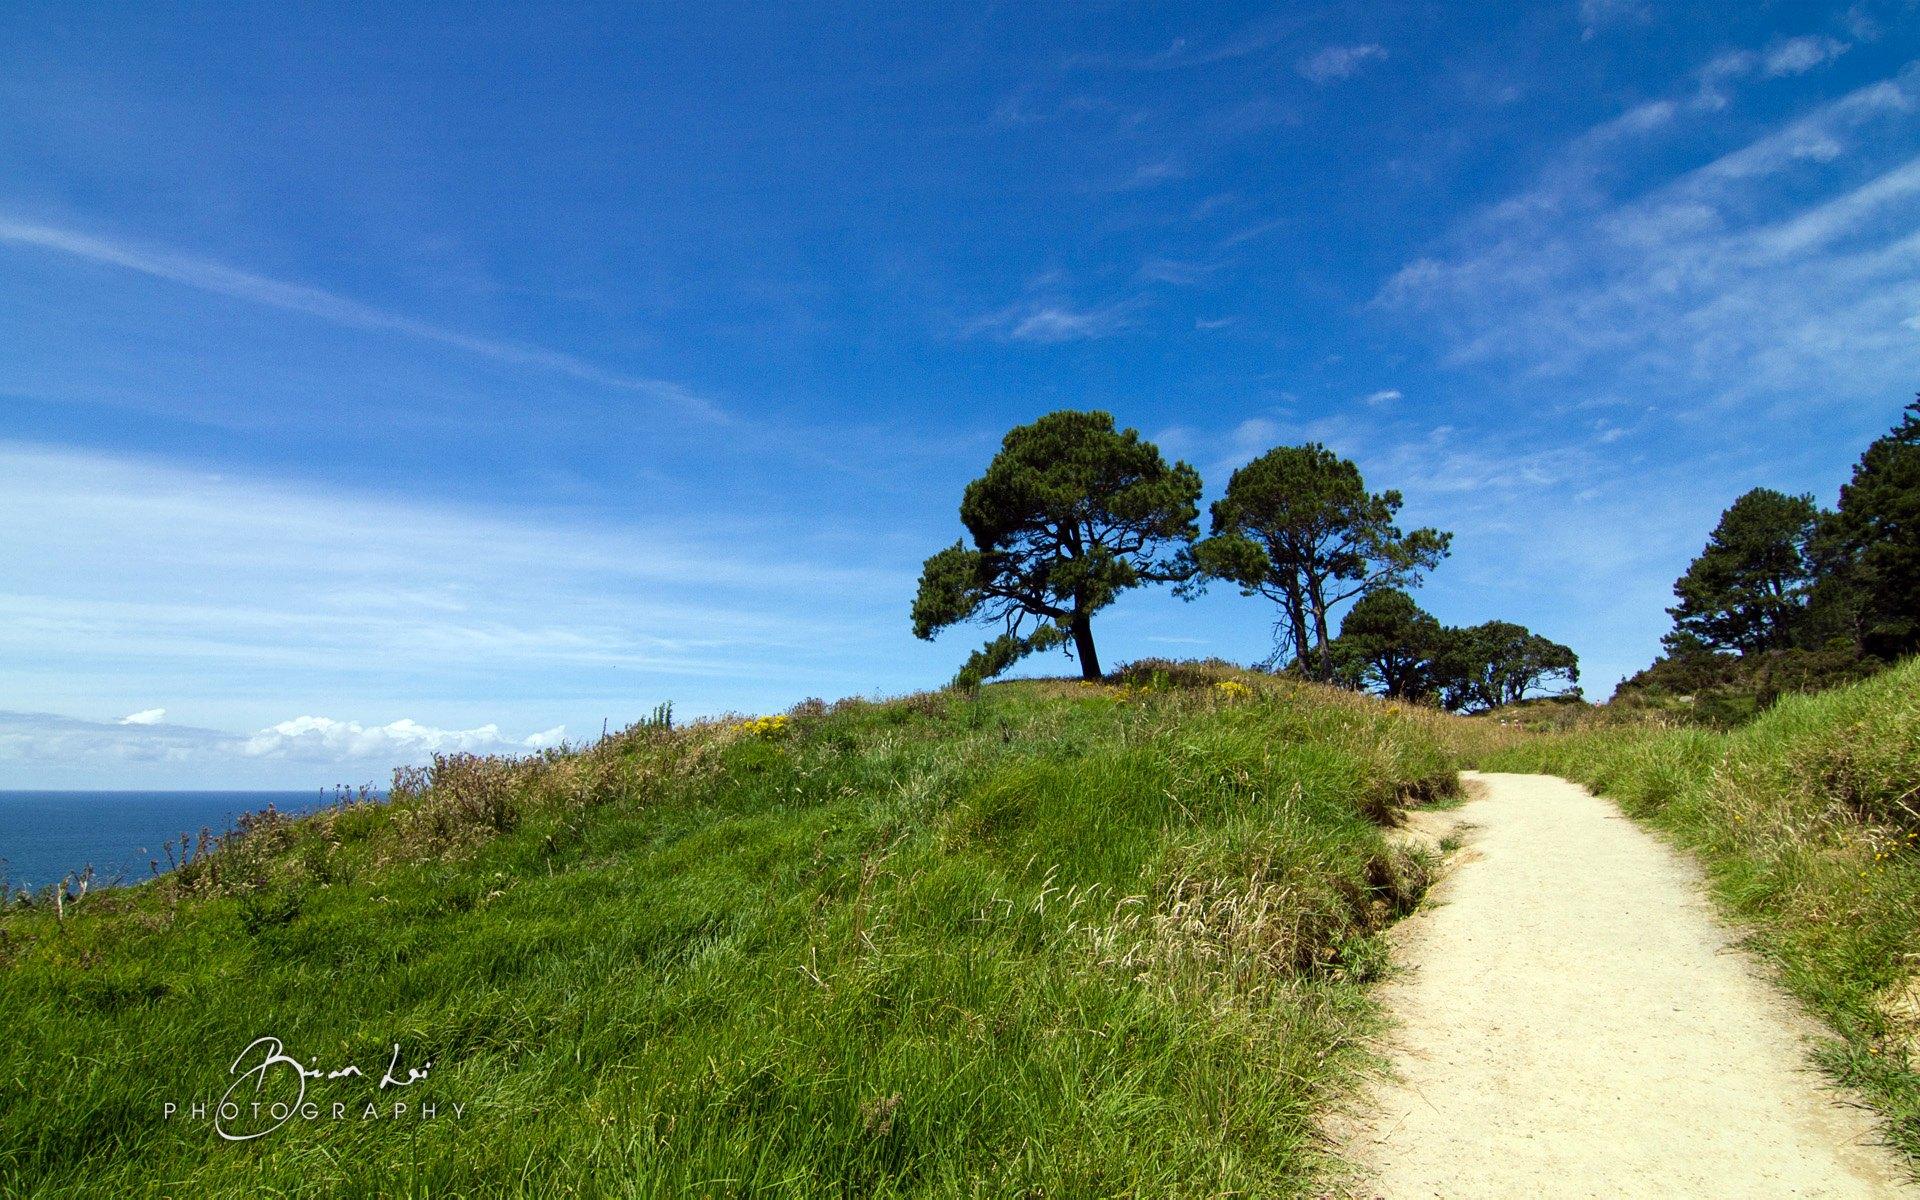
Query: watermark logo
x=269 y=1091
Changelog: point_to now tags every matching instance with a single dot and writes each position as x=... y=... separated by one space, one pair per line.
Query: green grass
x=1052 y=939
x=1808 y=822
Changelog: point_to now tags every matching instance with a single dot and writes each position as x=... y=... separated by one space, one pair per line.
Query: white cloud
x=1796 y=56
x=1338 y=62
x=1151 y=174
x=1860 y=23
x=209 y=276
x=1784 y=266
x=1176 y=272
x=1383 y=396
x=33 y=739
x=146 y=716
x=1046 y=322
x=323 y=739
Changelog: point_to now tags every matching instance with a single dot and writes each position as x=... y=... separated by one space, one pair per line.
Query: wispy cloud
x=1338 y=62
x=1790 y=56
x=1383 y=396
x=146 y=716
x=1596 y=14
x=1176 y=272
x=1796 y=56
x=1047 y=322
x=1025 y=107
x=28 y=739
x=218 y=278
x=378 y=572
x=1788 y=265
x=1186 y=52
x=1150 y=174
x=248 y=600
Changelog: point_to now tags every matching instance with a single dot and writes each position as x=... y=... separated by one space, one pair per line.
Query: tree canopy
x=1747 y=591
x=1873 y=540
x=1069 y=514
x=1388 y=643
x=1499 y=662
x=1298 y=526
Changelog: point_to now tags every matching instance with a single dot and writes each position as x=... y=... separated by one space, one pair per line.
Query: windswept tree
x=1388 y=643
x=1499 y=662
x=1871 y=545
x=1747 y=591
x=1298 y=526
x=1070 y=514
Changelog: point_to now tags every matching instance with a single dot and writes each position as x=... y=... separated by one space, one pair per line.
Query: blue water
x=45 y=835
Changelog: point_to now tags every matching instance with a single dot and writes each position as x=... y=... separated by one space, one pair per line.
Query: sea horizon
x=49 y=834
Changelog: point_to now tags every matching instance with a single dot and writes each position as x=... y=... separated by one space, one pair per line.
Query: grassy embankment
x=1055 y=939
x=1808 y=823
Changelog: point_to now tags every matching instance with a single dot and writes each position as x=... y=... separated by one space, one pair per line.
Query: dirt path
x=1574 y=1022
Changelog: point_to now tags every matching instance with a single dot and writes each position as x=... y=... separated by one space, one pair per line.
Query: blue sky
x=377 y=381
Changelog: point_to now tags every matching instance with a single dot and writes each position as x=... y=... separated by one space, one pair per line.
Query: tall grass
x=1050 y=939
x=1808 y=822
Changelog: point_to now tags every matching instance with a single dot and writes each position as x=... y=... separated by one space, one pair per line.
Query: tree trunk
x=1297 y=618
x=1324 y=651
x=1083 y=647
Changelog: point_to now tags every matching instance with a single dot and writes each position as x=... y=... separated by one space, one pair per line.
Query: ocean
x=45 y=835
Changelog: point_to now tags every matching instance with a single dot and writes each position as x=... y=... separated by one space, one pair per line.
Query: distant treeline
x=1789 y=597
x=1071 y=512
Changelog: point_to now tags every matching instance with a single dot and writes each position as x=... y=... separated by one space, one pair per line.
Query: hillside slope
x=1053 y=938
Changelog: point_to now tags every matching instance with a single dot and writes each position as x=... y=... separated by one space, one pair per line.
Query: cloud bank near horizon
x=249 y=595
x=38 y=741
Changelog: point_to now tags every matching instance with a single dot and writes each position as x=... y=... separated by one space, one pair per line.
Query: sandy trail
x=1575 y=1022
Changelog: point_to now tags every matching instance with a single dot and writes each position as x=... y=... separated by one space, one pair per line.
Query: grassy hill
x=1051 y=938
x=1054 y=938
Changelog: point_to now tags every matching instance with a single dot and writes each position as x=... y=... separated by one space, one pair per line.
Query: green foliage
x=1747 y=591
x=1872 y=543
x=1807 y=821
x=1070 y=514
x=1002 y=652
x=1787 y=599
x=1298 y=526
x=1498 y=663
x=1050 y=938
x=1697 y=684
x=1389 y=643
